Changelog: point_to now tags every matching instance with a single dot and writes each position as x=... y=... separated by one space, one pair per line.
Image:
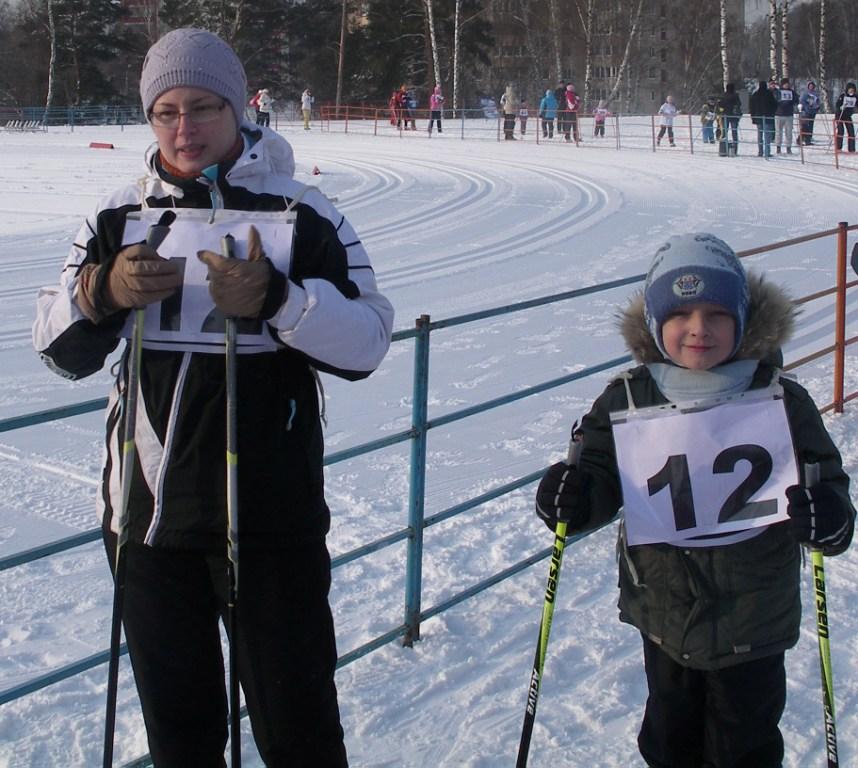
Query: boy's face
x=699 y=336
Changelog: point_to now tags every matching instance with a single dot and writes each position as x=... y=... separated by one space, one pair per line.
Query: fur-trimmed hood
x=770 y=323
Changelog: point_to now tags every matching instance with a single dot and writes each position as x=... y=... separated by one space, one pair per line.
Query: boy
x=717 y=604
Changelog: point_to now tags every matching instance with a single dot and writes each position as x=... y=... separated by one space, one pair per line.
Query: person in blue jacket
x=808 y=105
x=547 y=113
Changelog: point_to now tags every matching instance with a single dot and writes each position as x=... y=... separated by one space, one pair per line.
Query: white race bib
x=188 y=320
x=704 y=472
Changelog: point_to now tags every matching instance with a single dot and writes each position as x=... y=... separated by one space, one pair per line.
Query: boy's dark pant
x=727 y=718
x=287 y=653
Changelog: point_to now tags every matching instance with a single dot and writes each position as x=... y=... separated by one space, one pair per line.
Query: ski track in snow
x=452 y=227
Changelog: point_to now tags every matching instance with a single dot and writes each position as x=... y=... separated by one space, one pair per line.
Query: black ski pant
x=174 y=600
x=849 y=127
x=726 y=718
x=435 y=116
x=547 y=127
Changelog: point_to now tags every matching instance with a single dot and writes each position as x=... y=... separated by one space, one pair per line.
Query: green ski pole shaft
x=228 y=251
x=535 y=684
x=154 y=238
x=811 y=478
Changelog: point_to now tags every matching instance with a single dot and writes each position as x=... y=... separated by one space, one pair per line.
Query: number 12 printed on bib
x=699 y=473
x=188 y=320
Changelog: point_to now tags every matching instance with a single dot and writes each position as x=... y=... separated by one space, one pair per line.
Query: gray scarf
x=681 y=385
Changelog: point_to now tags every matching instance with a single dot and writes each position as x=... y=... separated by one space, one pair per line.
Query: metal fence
x=421 y=423
x=618 y=131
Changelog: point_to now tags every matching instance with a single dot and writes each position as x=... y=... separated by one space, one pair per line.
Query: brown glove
x=252 y=288
x=136 y=277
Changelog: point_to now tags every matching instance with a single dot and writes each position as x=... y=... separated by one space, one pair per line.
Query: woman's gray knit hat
x=193 y=58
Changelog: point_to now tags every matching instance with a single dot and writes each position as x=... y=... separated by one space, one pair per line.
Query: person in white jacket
x=263 y=108
x=667 y=111
x=307 y=107
x=305 y=299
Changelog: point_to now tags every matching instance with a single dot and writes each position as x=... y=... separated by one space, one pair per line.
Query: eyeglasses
x=198 y=115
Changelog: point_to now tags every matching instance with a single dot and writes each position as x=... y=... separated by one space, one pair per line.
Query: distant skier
x=436 y=103
x=808 y=107
x=728 y=112
x=843 y=111
x=707 y=121
x=763 y=105
x=667 y=111
x=787 y=104
x=600 y=114
x=547 y=113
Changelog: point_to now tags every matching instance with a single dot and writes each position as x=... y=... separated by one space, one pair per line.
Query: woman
x=310 y=304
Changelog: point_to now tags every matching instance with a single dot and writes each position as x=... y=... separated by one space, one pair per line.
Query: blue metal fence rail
x=414 y=613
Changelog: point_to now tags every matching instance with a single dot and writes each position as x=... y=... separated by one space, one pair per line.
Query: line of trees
x=78 y=52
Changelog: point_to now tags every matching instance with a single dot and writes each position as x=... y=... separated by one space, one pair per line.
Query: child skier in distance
x=714 y=592
x=668 y=112
x=707 y=120
x=600 y=114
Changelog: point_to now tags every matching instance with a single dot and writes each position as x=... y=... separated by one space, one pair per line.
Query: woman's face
x=195 y=128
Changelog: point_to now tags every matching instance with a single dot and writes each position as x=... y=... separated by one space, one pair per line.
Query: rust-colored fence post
x=840 y=318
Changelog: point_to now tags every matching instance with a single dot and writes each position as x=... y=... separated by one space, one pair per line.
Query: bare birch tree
x=773 y=37
x=555 y=38
x=431 y=21
x=785 y=39
x=456 y=25
x=587 y=26
x=341 y=57
x=52 y=65
x=823 y=85
x=725 y=61
x=633 y=31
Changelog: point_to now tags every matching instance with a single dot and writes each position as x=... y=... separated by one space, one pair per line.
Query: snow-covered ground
x=452 y=226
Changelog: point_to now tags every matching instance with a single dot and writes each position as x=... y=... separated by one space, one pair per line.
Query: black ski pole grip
x=157 y=232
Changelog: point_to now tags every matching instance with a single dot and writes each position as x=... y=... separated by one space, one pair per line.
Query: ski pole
x=575 y=446
x=811 y=478
x=228 y=251
x=154 y=237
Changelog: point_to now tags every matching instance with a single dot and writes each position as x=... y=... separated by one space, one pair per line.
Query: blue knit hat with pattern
x=193 y=58
x=690 y=269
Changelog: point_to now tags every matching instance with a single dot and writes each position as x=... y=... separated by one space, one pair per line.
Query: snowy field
x=452 y=226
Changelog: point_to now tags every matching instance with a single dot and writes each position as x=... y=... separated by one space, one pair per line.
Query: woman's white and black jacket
x=712 y=607
x=334 y=320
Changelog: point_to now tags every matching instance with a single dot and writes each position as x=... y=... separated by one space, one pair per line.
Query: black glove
x=563 y=496
x=816 y=515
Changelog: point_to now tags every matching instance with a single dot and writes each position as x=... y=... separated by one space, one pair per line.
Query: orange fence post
x=840 y=318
